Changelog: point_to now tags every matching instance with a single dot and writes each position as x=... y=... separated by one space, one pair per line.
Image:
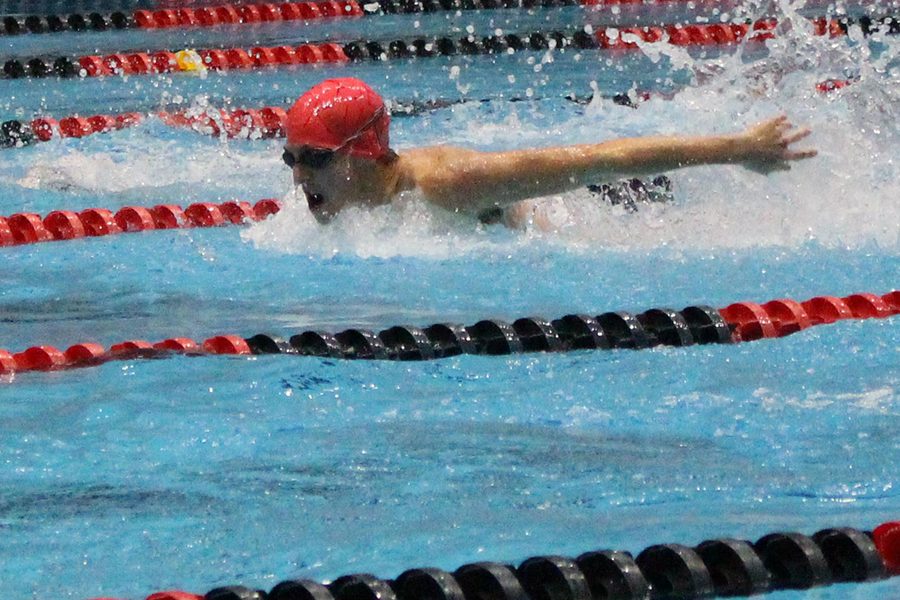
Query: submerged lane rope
x=738 y=322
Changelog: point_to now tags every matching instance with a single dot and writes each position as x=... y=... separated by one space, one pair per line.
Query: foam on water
x=149 y=162
x=407 y=229
x=847 y=196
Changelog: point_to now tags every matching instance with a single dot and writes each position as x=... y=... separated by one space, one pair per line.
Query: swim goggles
x=317 y=158
x=312 y=158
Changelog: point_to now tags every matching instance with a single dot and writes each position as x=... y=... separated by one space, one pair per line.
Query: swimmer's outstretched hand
x=766 y=147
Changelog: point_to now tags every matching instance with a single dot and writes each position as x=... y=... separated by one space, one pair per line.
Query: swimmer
x=338 y=149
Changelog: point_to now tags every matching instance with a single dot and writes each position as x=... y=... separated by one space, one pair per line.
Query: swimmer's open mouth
x=314 y=201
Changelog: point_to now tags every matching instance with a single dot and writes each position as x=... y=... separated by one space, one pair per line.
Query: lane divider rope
x=31 y=228
x=18 y=134
x=698 y=324
x=222 y=59
x=207 y=16
x=273 y=12
x=246 y=123
x=717 y=567
x=246 y=14
x=257 y=123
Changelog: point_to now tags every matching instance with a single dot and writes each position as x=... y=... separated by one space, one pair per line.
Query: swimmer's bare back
x=463 y=180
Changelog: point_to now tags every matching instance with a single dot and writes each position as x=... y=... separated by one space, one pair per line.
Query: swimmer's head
x=341 y=115
x=336 y=133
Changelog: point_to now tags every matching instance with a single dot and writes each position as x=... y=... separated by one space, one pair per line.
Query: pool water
x=194 y=472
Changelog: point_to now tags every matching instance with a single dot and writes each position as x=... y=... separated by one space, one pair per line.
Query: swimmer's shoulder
x=435 y=170
x=429 y=158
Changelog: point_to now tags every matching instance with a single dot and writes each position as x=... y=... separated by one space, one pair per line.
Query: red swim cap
x=340 y=113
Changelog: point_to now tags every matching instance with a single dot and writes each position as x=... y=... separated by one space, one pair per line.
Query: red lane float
x=245 y=14
x=832 y=85
x=238 y=58
x=118 y=64
x=826 y=309
x=237 y=212
x=101 y=123
x=29 y=228
x=93 y=66
x=226 y=344
x=831 y=27
x=84 y=353
x=892 y=299
x=164 y=61
x=7 y=363
x=204 y=214
x=75 y=127
x=99 y=222
x=46 y=128
x=178 y=344
x=247 y=120
x=39 y=358
x=134 y=218
x=128 y=119
x=777 y=318
x=174 y=595
x=788 y=316
x=749 y=321
x=866 y=306
x=887 y=541
x=64 y=225
x=6 y=236
x=266 y=208
x=273 y=119
x=168 y=216
x=49 y=358
x=245 y=123
x=129 y=346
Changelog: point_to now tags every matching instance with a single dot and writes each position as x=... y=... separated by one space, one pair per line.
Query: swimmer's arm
x=467 y=180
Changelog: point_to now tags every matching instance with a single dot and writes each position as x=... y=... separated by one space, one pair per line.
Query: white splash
x=142 y=161
x=845 y=197
x=410 y=228
x=879 y=400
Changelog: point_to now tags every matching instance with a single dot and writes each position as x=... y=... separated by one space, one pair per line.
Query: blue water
x=194 y=472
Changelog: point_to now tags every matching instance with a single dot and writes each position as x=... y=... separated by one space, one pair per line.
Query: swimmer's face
x=331 y=182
